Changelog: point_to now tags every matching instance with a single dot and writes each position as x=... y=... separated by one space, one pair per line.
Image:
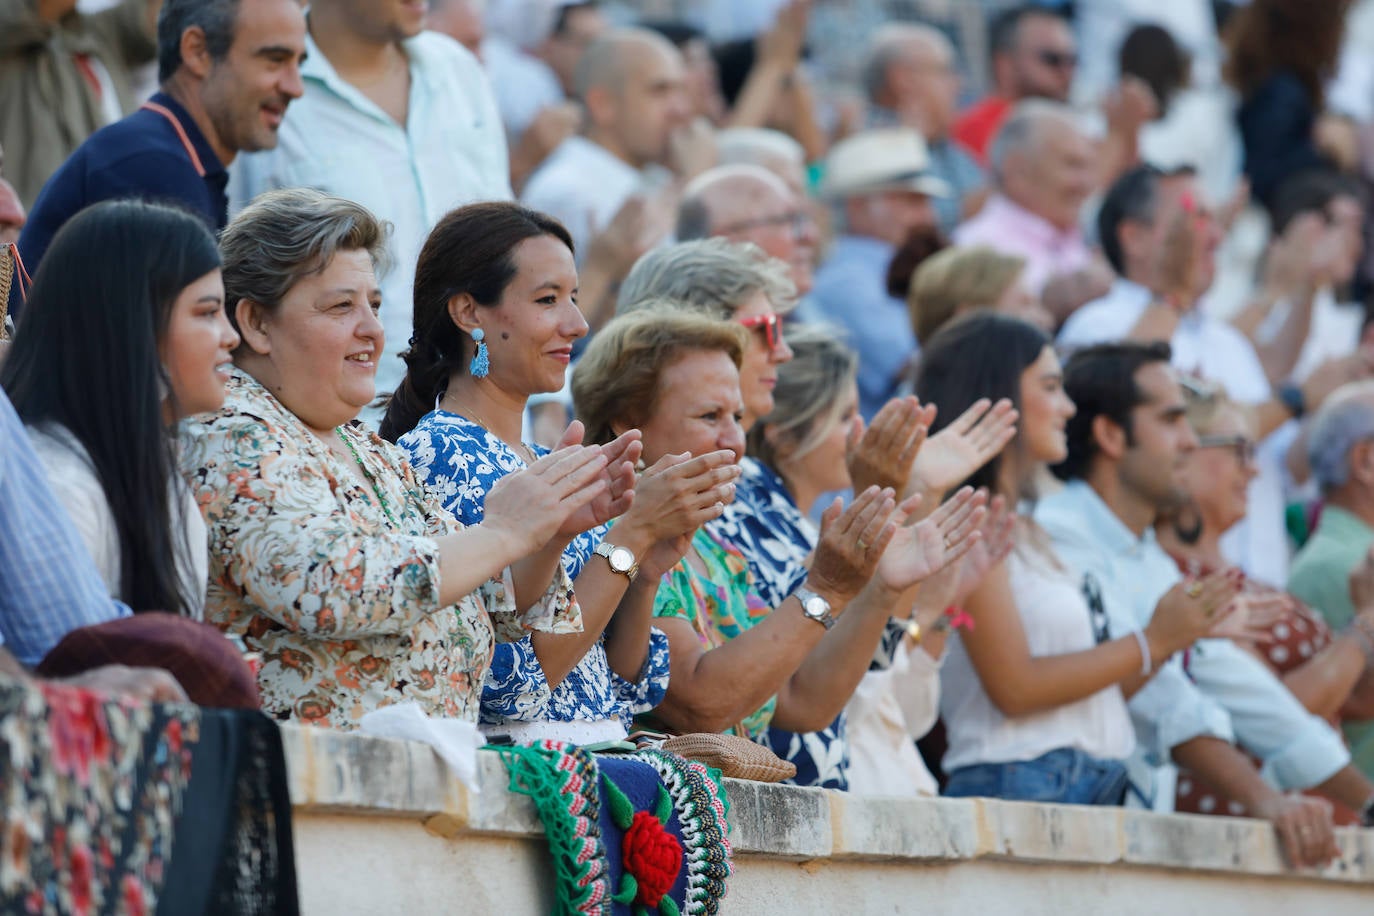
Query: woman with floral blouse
x=496 y=319
x=326 y=554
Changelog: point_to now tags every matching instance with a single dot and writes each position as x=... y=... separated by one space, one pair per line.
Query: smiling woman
x=327 y=554
x=126 y=335
x=505 y=275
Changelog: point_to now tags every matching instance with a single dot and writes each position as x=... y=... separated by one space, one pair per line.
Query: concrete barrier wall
x=382 y=827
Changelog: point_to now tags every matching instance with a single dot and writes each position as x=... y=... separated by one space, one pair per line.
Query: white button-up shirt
x=1221 y=691
x=1211 y=348
x=450 y=151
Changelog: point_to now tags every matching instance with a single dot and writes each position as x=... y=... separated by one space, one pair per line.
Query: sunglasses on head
x=770 y=324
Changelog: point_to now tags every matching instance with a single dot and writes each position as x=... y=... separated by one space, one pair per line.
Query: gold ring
x=948 y=543
x=862 y=545
x=1194 y=590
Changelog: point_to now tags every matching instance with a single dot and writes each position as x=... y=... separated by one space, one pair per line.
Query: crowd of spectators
x=976 y=403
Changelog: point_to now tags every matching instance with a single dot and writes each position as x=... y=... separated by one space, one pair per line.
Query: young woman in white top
x=125 y=334
x=1034 y=692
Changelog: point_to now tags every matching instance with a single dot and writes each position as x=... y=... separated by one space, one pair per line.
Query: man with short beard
x=228 y=70
x=1126 y=444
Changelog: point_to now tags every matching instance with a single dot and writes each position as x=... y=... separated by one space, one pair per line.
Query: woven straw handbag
x=738 y=758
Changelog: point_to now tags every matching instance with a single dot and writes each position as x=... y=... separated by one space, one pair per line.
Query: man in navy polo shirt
x=228 y=69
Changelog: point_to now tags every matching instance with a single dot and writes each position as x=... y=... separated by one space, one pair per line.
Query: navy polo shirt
x=141 y=156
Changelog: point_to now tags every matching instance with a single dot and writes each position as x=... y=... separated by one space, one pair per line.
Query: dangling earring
x=481 y=364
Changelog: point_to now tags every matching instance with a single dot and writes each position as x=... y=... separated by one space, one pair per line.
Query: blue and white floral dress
x=777 y=540
x=461 y=461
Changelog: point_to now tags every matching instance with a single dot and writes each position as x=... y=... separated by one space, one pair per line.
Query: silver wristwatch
x=621 y=559
x=814 y=606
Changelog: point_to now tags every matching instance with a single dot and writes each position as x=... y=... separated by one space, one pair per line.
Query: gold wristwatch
x=621 y=559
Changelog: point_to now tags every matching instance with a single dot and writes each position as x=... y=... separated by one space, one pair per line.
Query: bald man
x=747 y=203
x=911 y=81
x=631 y=85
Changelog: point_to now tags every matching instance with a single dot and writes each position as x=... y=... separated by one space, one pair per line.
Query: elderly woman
x=738 y=662
x=1328 y=672
x=956 y=280
x=496 y=318
x=326 y=554
x=738 y=282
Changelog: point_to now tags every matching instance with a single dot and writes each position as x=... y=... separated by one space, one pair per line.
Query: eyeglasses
x=770 y=324
x=798 y=221
x=1059 y=60
x=1242 y=447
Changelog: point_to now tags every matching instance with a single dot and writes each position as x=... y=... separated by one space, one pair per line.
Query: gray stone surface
x=337 y=773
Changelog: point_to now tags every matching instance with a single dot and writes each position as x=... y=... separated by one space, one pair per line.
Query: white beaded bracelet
x=1146 y=662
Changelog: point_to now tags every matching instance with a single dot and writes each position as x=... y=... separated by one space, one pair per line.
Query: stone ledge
x=341 y=773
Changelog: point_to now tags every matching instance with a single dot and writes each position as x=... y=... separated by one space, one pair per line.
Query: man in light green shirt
x=1341 y=451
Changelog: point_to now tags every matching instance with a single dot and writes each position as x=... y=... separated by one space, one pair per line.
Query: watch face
x=816 y=607
x=621 y=559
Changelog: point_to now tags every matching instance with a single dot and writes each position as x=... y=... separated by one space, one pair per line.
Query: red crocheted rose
x=653 y=856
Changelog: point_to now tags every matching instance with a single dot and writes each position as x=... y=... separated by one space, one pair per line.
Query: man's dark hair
x=1002 y=33
x=565 y=12
x=1101 y=382
x=216 y=18
x=1310 y=191
x=1150 y=53
x=1135 y=197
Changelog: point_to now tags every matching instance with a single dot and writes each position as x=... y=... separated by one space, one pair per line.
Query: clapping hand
x=883 y=454
x=955 y=452
x=621 y=455
x=529 y=507
x=918 y=552
x=851 y=543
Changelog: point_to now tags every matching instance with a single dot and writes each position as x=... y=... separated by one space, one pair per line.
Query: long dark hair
x=85 y=356
x=980 y=355
x=1299 y=36
x=470 y=251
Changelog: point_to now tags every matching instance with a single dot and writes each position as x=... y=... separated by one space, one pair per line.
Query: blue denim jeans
x=1065 y=776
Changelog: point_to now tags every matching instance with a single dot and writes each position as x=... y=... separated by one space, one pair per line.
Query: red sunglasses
x=770 y=324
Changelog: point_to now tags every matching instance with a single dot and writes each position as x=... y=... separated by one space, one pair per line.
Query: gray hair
x=888 y=46
x=284 y=236
x=807 y=402
x=216 y=18
x=714 y=276
x=1021 y=130
x=1345 y=421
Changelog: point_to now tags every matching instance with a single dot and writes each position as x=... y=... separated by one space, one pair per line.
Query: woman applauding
x=326 y=553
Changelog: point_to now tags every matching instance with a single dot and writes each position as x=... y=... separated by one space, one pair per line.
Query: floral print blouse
x=460 y=461
x=777 y=540
x=342 y=602
x=719 y=605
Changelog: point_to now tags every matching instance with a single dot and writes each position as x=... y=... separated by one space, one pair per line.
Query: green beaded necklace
x=376 y=490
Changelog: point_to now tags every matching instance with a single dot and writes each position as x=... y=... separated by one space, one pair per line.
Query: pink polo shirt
x=1010 y=228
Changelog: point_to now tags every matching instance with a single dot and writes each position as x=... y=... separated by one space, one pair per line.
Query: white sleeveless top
x=1057 y=621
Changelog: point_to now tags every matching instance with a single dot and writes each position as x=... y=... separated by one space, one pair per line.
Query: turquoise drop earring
x=481 y=364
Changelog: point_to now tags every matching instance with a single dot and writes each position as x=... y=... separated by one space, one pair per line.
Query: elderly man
x=399 y=119
x=1033 y=56
x=1043 y=170
x=747 y=203
x=771 y=149
x=228 y=71
x=880 y=184
x=910 y=79
x=1340 y=448
x=631 y=84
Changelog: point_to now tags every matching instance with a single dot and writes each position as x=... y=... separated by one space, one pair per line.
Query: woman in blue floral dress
x=496 y=320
